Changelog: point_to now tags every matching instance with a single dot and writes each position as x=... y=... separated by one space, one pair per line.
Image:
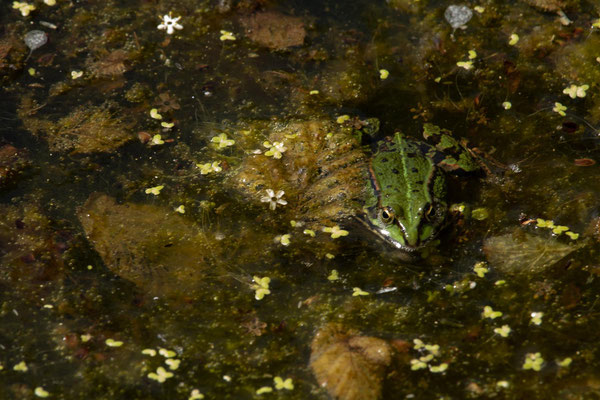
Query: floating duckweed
x=434 y=349
x=20 y=367
x=149 y=352
x=209 y=167
x=40 y=392
x=154 y=190
x=572 y=235
x=113 y=343
x=275 y=150
x=359 y=292
x=221 y=141
x=536 y=317
x=514 y=39
x=285 y=239
x=335 y=231
x=330 y=256
x=479 y=9
x=48 y=306
x=86 y=337
x=556 y=229
x=196 y=395
x=1 y=367
x=333 y=275
x=167 y=125
x=166 y=353
x=23 y=7
x=488 y=312
x=542 y=223
x=342 y=118
x=465 y=64
x=226 y=35
x=481 y=269
x=157 y=140
x=564 y=362
x=313 y=92
x=458 y=207
x=261 y=287
x=426 y=358
x=31 y=71
x=309 y=232
x=507 y=105
x=438 y=79
x=438 y=368
x=160 y=375
x=533 y=361
x=173 y=363
x=264 y=389
x=417 y=364
x=418 y=344
x=50 y=2
x=180 y=209
x=503 y=331
x=283 y=384
x=502 y=384
x=575 y=91
x=560 y=229
x=596 y=23
x=383 y=74
x=500 y=282
x=559 y=109
x=472 y=54
x=77 y=75
x=154 y=114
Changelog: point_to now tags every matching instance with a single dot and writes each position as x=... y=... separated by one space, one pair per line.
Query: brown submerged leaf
x=348 y=366
x=109 y=65
x=274 y=30
x=523 y=253
x=148 y=245
x=547 y=5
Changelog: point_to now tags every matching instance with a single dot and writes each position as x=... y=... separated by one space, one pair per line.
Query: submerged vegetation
x=182 y=186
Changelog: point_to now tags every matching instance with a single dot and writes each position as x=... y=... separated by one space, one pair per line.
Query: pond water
x=181 y=186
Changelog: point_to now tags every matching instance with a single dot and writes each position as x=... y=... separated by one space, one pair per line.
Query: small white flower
x=170 y=24
x=274 y=198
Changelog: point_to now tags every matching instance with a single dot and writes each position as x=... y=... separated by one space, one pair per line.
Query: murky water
x=179 y=204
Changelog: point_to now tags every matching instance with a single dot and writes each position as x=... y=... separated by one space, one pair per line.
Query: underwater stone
x=458 y=16
x=35 y=39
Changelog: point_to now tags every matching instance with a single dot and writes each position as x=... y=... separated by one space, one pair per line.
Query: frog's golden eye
x=386 y=215
x=428 y=211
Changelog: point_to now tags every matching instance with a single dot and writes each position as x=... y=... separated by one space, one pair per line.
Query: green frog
x=328 y=177
x=406 y=193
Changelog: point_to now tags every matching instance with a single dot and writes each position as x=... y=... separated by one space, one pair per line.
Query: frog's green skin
x=406 y=203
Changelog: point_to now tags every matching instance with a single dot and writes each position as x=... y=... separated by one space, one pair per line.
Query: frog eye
x=386 y=215
x=428 y=210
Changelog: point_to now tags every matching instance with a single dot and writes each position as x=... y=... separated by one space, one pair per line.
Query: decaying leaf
x=151 y=246
x=547 y=5
x=523 y=253
x=274 y=30
x=109 y=65
x=86 y=129
x=349 y=366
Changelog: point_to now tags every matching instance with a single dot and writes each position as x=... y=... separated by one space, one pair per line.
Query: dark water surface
x=134 y=254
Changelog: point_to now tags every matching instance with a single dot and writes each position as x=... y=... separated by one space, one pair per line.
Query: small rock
x=458 y=16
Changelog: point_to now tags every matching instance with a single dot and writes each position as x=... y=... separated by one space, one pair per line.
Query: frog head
x=406 y=206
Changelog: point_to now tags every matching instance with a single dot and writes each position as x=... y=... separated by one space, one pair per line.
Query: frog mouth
x=384 y=236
